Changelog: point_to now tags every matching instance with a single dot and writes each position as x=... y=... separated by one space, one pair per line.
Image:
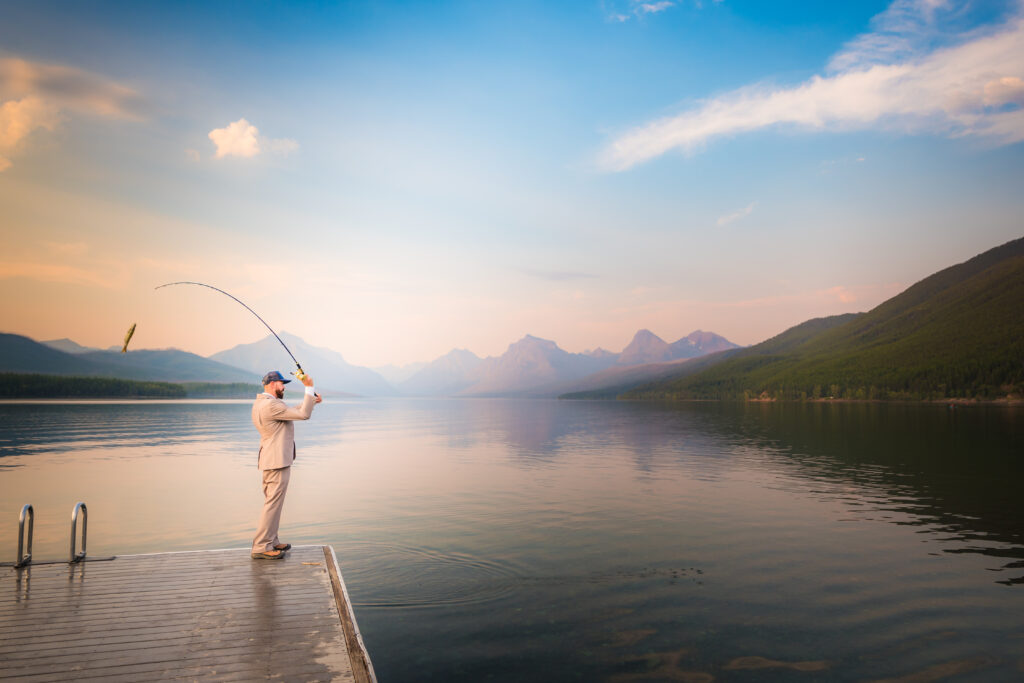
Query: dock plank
x=214 y=615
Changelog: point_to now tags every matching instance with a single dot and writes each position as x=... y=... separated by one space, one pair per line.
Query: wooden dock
x=210 y=615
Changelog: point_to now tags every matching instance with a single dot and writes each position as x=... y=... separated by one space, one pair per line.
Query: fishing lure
x=128 y=338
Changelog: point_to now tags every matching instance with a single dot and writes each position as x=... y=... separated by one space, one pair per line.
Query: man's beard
x=280 y=393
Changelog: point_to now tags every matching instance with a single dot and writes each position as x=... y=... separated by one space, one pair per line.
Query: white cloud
x=238 y=139
x=242 y=139
x=36 y=96
x=1004 y=91
x=736 y=215
x=972 y=88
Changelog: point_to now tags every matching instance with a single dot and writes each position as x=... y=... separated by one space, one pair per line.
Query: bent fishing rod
x=298 y=375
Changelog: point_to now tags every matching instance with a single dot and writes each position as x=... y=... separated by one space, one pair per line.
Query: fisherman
x=274 y=421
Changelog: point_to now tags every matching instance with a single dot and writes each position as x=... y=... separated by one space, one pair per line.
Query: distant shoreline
x=959 y=401
x=19 y=385
x=116 y=400
x=929 y=401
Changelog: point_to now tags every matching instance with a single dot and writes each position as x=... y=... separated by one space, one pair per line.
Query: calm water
x=578 y=541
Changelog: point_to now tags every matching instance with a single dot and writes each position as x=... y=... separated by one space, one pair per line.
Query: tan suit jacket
x=275 y=422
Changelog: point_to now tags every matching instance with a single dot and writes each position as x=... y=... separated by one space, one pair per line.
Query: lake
x=536 y=540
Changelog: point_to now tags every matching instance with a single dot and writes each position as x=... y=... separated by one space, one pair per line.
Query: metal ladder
x=23 y=559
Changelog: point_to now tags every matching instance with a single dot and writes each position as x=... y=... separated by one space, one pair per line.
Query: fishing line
x=299 y=375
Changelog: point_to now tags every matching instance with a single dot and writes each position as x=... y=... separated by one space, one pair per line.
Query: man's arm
x=279 y=410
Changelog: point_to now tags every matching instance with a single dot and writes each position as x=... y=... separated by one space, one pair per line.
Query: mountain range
x=531 y=367
x=958 y=333
x=537 y=367
x=329 y=368
x=23 y=355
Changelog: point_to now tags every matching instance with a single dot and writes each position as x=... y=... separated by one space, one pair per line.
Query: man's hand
x=307 y=380
x=318 y=399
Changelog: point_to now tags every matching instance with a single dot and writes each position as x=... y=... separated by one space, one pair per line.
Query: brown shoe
x=283 y=546
x=269 y=555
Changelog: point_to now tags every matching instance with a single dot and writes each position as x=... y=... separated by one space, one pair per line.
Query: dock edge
x=362 y=667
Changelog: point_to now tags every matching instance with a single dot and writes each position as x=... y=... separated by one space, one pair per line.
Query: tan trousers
x=275 y=485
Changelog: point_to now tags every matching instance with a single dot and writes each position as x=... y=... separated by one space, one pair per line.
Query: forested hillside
x=956 y=334
x=25 y=385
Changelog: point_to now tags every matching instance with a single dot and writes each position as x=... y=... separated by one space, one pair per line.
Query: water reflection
x=954 y=472
x=529 y=540
x=31 y=428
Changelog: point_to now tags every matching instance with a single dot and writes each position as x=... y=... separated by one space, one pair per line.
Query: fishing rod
x=298 y=375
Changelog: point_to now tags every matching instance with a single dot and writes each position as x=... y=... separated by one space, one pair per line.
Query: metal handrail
x=74 y=523
x=22 y=559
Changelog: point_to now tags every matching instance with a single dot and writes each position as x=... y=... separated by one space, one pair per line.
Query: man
x=275 y=422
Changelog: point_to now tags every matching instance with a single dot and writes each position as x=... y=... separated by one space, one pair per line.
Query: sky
x=393 y=180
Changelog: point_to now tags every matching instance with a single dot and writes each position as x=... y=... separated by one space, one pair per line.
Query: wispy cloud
x=893 y=78
x=283 y=146
x=69 y=88
x=66 y=248
x=905 y=29
x=18 y=119
x=59 y=273
x=654 y=7
x=70 y=263
x=736 y=215
x=843 y=294
x=36 y=96
x=622 y=12
x=242 y=139
x=830 y=165
x=82 y=264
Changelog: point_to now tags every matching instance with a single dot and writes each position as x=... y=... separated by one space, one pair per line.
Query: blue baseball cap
x=274 y=376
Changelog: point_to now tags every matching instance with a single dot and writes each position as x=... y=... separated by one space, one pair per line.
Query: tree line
x=28 y=385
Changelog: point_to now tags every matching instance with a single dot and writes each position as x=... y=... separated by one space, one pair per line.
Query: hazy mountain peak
x=702 y=342
x=328 y=368
x=396 y=374
x=530 y=341
x=528 y=366
x=646 y=347
x=449 y=374
x=644 y=335
x=461 y=353
x=68 y=346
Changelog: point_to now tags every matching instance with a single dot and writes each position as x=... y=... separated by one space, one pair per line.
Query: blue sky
x=393 y=180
